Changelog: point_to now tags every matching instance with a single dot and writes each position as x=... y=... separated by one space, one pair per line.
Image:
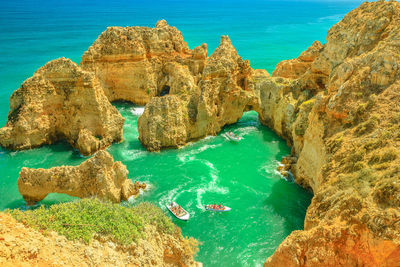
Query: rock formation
x=61 y=102
x=98 y=176
x=204 y=105
x=343 y=124
x=21 y=245
x=337 y=105
x=294 y=68
x=136 y=63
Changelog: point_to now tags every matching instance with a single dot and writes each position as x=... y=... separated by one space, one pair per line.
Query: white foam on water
x=137 y=111
x=246 y=130
x=213 y=184
x=199 y=198
x=270 y=169
x=172 y=195
x=190 y=155
x=133 y=154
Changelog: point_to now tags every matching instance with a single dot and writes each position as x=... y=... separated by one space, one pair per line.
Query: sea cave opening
x=165 y=90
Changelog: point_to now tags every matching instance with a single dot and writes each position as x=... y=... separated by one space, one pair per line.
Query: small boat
x=222 y=209
x=182 y=215
x=232 y=137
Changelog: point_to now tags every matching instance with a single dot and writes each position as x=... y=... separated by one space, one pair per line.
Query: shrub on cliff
x=88 y=218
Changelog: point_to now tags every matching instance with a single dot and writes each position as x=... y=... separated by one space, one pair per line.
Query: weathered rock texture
x=204 y=104
x=342 y=116
x=136 y=63
x=21 y=245
x=98 y=176
x=294 y=68
x=337 y=105
x=61 y=102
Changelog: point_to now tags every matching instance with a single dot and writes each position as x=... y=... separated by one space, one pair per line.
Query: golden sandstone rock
x=294 y=68
x=21 y=245
x=346 y=138
x=204 y=104
x=98 y=176
x=337 y=105
x=132 y=63
x=61 y=102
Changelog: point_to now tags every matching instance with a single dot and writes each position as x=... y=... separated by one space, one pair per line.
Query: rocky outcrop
x=294 y=68
x=137 y=63
x=345 y=135
x=98 y=176
x=21 y=245
x=61 y=102
x=204 y=105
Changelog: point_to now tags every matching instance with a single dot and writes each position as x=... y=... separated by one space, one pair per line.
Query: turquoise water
x=266 y=208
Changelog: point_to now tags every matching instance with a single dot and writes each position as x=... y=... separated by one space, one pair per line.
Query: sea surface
x=265 y=207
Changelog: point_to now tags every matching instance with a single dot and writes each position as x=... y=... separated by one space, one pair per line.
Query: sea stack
x=61 y=102
x=133 y=63
x=200 y=105
x=98 y=176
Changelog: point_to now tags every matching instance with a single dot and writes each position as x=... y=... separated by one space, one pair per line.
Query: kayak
x=209 y=208
x=231 y=137
x=183 y=215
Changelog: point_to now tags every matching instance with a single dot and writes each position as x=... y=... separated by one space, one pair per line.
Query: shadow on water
x=281 y=200
x=50 y=199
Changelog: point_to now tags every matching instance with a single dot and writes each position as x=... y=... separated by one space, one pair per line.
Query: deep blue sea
x=266 y=208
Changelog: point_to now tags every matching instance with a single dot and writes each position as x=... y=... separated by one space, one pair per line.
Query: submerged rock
x=98 y=176
x=61 y=102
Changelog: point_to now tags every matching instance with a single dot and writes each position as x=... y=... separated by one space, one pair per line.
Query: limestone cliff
x=98 y=176
x=21 y=245
x=135 y=63
x=61 y=102
x=203 y=105
x=294 y=68
x=345 y=135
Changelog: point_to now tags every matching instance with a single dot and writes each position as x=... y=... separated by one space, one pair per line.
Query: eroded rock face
x=134 y=63
x=98 y=176
x=61 y=102
x=204 y=104
x=346 y=137
x=21 y=245
x=294 y=68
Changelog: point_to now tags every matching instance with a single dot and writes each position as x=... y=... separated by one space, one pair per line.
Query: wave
x=246 y=130
x=137 y=111
x=190 y=155
x=212 y=186
x=133 y=154
x=271 y=168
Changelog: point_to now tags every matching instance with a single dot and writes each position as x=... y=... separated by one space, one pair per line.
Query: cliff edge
x=344 y=132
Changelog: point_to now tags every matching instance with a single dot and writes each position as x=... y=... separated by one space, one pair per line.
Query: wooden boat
x=183 y=215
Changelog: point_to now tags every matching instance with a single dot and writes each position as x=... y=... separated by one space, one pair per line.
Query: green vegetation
x=88 y=218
